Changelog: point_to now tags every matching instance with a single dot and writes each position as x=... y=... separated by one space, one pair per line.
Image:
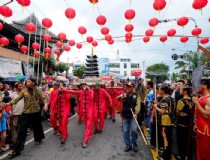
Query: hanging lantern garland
x=159 y=5
x=5 y=11
x=163 y=38
x=24 y=3
x=4 y=41
x=35 y=46
x=70 y=13
x=129 y=14
x=19 y=39
x=149 y=32
x=1 y=26
x=129 y=28
x=128 y=35
x=199 y=4
x=105 y=30
x=204 y=40
x=24 y=49
x=184 y=39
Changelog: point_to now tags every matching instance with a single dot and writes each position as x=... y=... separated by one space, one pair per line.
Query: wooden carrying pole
x=139 y=127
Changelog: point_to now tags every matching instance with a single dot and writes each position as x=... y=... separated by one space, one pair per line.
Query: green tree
x=174 y=77
x=159 y=70
x=79 y=72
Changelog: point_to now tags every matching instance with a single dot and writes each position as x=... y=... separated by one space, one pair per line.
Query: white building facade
x=123 y=66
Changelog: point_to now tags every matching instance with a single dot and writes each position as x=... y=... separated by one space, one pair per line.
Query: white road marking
x=31 y=140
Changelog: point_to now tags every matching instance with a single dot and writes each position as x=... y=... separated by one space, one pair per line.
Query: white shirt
x=17 y=109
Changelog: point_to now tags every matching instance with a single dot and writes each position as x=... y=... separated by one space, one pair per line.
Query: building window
x=117 y=72
x=125 y=73
x=125 y=65
x=114 y=65
x=134 y=65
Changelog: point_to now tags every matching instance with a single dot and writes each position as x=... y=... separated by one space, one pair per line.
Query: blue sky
x=152 y=52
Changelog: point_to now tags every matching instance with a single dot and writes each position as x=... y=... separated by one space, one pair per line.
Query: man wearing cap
x=131 y=101
x=101 y=100
x=53 y=103
x=142 y=92
x=33 y=96
x=86 y=104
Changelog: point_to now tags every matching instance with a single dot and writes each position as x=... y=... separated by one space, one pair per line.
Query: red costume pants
x=99 y=116
x=53 y=120
x=88 y=127
x=202 y=147
x=63 y=122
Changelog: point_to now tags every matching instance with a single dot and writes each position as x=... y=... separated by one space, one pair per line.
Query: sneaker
x=96 y=131
x=84 y=145
x=127 y=149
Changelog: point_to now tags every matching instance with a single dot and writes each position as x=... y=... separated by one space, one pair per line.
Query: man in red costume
x=114 y=93
x=86 y=104
x=101 y=100
x=203 y=121
x=60 y=102
x=54 y=108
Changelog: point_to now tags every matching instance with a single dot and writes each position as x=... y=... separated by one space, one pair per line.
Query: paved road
x=106 y=146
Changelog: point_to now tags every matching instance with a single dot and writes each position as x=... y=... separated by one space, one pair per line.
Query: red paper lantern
x=47 y=55
x=184 y=39
x=94 y=43
x=71 y=42
x=46 y=37
x=153 y=22
x=70 y=13
x=82 y=30
x=67 y=48
x=24 y=49
x=111 y=42
x=146 y=39
x=57 y=52
x=108 y=37
x=4 y=41
x=196 y=32
x=171 y=32
x=62 y=36
x=35 y=46
x=105 y=30
x=159 y=5
x=209 y=19
x=47 y=23
x=182 y=21
x=93 y=1
x=59 y=44
x=19 y=39
x=199 y=4
x=89 y=39
x=5 y=11
x=47 y=50
x=1 y=26
x=128 y=35
x=128 y=40
x=149 y=32
x=36 y=53
x=30 y=27
x=163 y=38
x=24 y=3
x=101 y=20
x=79 y=45
x=129 y=14
x=204 y=40
x=129 y=28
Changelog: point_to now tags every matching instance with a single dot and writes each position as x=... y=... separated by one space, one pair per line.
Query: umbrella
x=21 y=77
x=10 y=79
x=61 y=78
